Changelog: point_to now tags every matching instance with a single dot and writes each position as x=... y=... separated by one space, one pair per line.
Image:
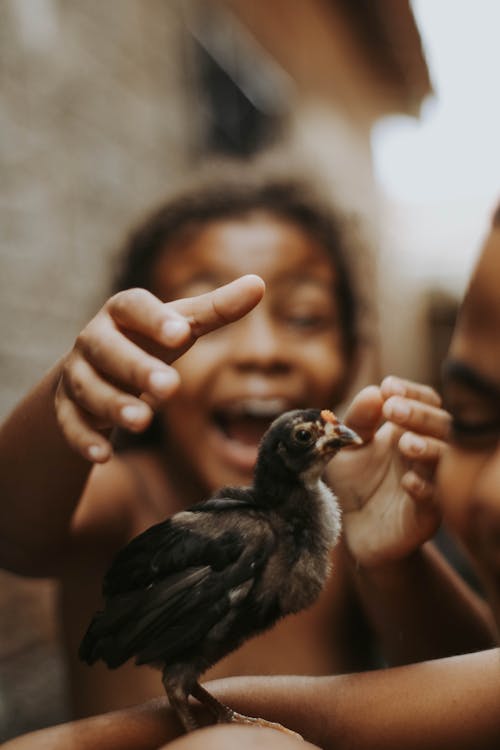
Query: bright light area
x=441 y=174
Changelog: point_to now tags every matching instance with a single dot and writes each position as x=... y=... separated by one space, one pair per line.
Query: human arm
x=420 y=608
x=468 y=484
x=482 y=542
x=49 y=442
x=409 y=593
x=445 y=704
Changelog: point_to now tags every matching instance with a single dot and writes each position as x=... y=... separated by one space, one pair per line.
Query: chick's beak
x=336 y=436
x=346 y=436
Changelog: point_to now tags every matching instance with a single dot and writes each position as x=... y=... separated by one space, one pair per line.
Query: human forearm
x=143 y=727
x=490 y=579
x=445 y=704
x=41 y=480
x=421 y=609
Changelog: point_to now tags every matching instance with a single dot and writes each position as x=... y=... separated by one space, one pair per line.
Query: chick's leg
x=178 y=698
x=225 y=715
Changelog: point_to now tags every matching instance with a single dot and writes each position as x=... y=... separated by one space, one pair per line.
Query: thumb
x=364 y=414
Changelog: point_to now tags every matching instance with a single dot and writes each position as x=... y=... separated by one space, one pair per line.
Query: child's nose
x=257 y=344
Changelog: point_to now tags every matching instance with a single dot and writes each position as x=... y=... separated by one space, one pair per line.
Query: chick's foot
x=237 y=718
x=225 y=715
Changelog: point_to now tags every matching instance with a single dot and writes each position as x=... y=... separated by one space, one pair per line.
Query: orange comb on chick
x=329 y=416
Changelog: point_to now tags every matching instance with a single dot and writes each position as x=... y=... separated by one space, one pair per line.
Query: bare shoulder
x=121 y=498
x=105 y=506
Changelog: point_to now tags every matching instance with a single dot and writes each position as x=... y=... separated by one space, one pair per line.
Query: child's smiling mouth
x=240 y=424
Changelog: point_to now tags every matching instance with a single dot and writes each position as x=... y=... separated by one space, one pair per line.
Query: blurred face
x=286 y=354
x=469 y=475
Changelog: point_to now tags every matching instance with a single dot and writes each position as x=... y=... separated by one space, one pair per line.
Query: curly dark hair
x=237 y=194
x=226 y=198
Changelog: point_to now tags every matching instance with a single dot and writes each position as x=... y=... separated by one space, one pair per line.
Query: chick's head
x=305 y=440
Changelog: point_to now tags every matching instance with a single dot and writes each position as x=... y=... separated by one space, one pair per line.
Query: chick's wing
x=168 y=587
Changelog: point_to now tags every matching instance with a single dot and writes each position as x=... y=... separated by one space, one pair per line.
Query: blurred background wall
x=104 y=107
x=439 y=180
x=93 y=124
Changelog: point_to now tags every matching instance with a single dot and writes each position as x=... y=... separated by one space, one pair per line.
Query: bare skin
x=402 y=583
x=445 y=704
x=72 y=409
x=469 y=475
x=386 y=529
x=286 y=350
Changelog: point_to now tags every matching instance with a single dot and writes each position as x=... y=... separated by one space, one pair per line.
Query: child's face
x=469 y=476
x=285 y=354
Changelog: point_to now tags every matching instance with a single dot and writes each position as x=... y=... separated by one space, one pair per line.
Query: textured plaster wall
x=94 y=127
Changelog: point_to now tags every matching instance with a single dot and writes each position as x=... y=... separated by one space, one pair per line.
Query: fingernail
x=399 y=409
x=416 y=444
x=97 y=452
x=396 y=386
x=162 y=381
x=175 y=331
x=418 y=484
x=133 y=413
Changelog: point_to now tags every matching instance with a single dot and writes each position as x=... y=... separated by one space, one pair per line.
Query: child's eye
x=307 y=321
x=305 y=307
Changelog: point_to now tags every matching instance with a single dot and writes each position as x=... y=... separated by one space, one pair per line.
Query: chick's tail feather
x=89 y=650
x=97 y=643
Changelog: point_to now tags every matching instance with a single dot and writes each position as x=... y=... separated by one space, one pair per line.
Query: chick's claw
x=225 y=715
x=237 y=718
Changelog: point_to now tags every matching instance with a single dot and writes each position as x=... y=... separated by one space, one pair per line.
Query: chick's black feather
x=191 y=589
x=173 y=583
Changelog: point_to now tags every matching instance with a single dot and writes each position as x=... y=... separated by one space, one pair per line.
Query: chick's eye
x=303 y=436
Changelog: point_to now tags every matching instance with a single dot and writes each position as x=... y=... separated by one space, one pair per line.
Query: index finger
x=227 y=303
x=394 y=386
x=365 y=412
x=416 y=416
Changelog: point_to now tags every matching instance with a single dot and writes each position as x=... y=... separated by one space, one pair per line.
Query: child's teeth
x=256 y=407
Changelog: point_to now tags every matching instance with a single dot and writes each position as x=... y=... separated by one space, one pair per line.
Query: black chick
x=193 y=588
